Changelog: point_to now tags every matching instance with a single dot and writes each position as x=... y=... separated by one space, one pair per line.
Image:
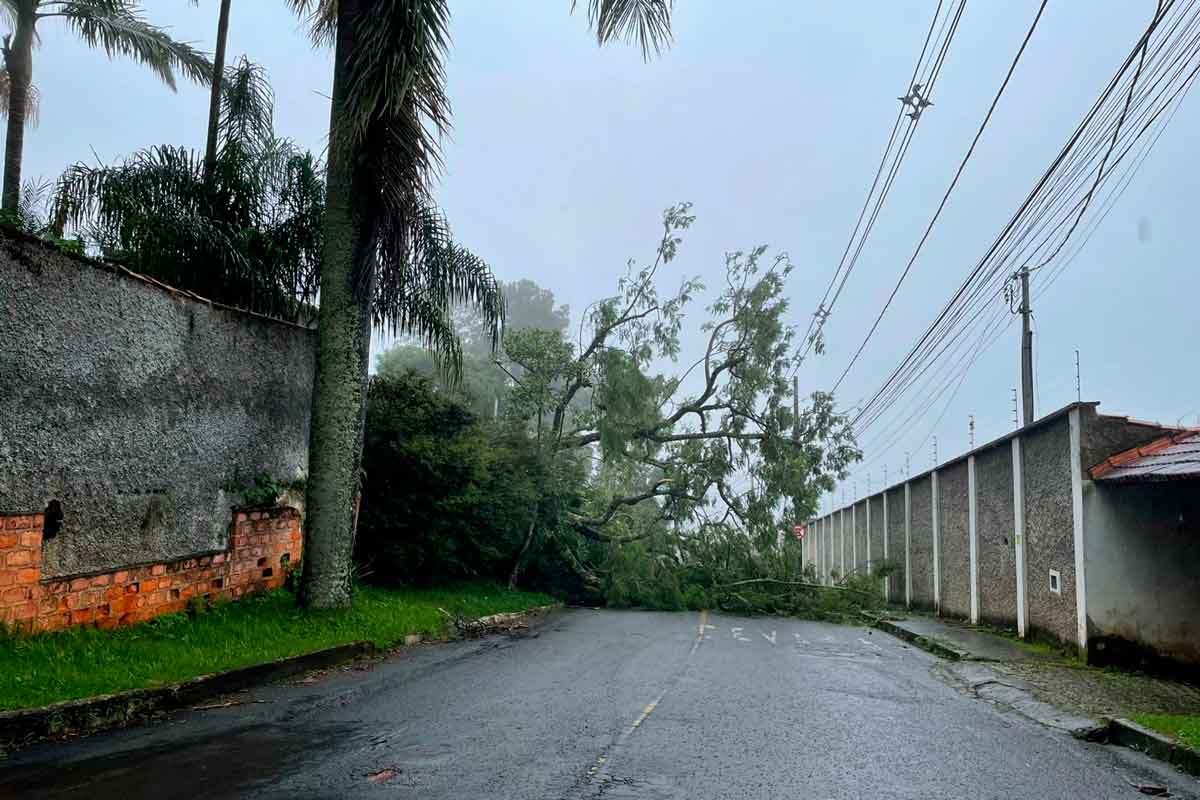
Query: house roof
x=1170 y=458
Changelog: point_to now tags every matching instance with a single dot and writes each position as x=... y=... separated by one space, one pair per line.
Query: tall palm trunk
x=343 y=343
x=214 y=103
x=18 y=60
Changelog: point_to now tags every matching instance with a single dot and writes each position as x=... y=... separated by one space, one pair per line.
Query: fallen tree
x=689 y=437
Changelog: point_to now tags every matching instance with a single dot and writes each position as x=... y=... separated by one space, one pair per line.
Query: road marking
x=737 y=634
x=770 y=638
x=598 y=772
x=646 y=712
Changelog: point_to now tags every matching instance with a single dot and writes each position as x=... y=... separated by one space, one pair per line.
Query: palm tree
x=218 y=76
x=389 y=110
x=115 y=25
x=244 y=230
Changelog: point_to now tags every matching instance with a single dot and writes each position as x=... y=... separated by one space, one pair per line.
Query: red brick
x=8 y=540
x=7 y=577
x=25 y=611
x=19 y=558
x=28 y=575
x=18 y=594
x=219 y=558
x=133 y=588
x=120 y=577
x=31 y=539
x=101 y=580
x=108 y=623
x=19 y=523
x=83 y=616
x=158 y=569
x=114 y=593
x=80 y=583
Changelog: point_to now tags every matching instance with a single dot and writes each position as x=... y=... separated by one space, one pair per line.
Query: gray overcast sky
x=770 y=117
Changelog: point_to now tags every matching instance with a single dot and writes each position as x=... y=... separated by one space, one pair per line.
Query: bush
x=447 y=496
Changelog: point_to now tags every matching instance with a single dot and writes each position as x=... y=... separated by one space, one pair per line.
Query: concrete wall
x=1143 y=571
x=895 y=534
x=134 y=406
x=921 y=542
x=1061 y=510
x=996 y=557
x=860 y=538
x=875 y=531
x=954 y=547
x=1049 y=529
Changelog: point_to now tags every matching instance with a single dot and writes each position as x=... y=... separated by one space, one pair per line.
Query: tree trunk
x=18 y=60
x=516 y=570
x=218 y=81
x=343 y=346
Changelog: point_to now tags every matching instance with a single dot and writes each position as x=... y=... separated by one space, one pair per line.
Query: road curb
x=23 y=727
x=1154 y=744
x=94 y=714
x=925 y=643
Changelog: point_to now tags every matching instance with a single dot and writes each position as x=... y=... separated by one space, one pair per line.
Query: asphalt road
x=605 y=704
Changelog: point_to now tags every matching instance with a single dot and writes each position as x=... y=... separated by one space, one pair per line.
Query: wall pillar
x=1018 y=474
x=842 y=544
x=1077 y=525
x=937 y=562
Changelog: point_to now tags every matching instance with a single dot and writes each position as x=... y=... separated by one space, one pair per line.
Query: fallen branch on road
x=804 y=584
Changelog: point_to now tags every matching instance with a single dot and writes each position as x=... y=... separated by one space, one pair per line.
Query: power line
x=1023 y=224
x=860 y=233
x=929 y=228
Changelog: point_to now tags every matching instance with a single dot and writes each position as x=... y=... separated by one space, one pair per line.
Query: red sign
x=799 y=531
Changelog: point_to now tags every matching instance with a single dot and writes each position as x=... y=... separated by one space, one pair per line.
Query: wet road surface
x=605 y=704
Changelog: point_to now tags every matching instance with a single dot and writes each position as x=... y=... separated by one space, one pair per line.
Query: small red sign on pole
x=799 y=531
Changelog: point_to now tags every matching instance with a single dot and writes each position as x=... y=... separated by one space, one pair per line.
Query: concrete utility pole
x=1016 y=422
x=1078 y=391
x=1026 y=348
x=971 y=429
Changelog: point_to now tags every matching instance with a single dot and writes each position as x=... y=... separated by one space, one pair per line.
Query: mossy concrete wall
x=875 y=531
x=1049 y=529
x=921 y=542
x=995 y=523
x=860 y=538
x=135 y=406
x=895 y=535
x=954 y=547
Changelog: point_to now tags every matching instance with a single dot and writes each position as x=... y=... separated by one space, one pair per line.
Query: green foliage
x=250 y=236
x=85 y=662
x=448 y=496
x=261 y=490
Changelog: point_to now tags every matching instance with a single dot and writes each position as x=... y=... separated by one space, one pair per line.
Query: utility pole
x=1016 y=423
x=1026 y=348
x=971 y=429
x=907 y=466
x=795 y=408
x=935 y=451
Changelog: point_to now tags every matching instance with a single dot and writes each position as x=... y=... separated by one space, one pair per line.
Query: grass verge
x=1185 y=728
x=85 y=662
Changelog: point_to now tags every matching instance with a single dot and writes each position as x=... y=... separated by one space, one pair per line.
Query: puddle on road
x=222 y=765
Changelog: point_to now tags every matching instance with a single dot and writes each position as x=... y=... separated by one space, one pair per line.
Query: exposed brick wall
x=263 y=546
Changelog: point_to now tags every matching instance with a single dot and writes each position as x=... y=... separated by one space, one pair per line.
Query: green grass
x=1183 y=727
x=85 y=662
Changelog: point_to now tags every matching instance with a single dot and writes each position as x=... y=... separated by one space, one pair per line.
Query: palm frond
x=32 y=99
x=322 y=18
x=647 y=22
x=118 y=27
x=247 y=106
x=419 y=284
